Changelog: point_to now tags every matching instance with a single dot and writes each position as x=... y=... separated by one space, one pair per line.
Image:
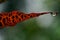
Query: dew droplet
x=53 y=13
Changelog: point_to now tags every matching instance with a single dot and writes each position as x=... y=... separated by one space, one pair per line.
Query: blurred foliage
x=29 y=30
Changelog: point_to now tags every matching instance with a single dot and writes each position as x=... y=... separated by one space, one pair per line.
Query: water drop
x=53 y=13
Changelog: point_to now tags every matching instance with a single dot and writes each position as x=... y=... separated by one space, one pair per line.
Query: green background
x=29 y=29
